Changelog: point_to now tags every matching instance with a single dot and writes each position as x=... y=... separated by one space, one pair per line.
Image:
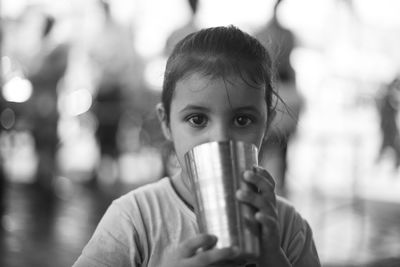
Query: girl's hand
x=262 y=197
x=199 y=252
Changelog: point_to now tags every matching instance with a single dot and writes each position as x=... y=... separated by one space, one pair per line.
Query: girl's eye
x=243 y=121
x=197 y=120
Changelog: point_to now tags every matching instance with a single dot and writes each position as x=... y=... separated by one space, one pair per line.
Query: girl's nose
x=220 y=133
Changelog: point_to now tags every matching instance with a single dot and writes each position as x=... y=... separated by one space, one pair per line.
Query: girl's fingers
x=260 y=201
x=264 y=192
x=200 y=251
x=215 y=255
x=191 y=246
x=263 y=199
x=260 y=178
x=270 y=229
x=268 y=222
x=264 y=173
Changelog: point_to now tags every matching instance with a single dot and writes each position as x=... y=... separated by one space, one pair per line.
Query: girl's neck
x=181 y=184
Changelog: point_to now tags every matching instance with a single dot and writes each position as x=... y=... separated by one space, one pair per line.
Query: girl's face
x=213 y=109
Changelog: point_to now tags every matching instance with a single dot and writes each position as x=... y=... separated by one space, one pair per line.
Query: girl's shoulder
x=284 y=205
x=156 y=198
x=296 y=235
x=147 y=192
x=289 y=217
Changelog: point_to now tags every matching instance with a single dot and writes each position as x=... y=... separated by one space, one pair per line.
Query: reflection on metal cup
x=216 y=173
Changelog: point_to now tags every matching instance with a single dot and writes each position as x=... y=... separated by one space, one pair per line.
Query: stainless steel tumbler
x=216 y=173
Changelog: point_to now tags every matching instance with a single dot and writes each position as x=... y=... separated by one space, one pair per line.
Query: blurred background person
x=2 y=187
x=2 y=174
x=110 y=54
x=388 y=108
x=46 y=69
x=280 y=41
x=184 y=30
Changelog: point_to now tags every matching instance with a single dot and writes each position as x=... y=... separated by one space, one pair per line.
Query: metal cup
x=216 y=173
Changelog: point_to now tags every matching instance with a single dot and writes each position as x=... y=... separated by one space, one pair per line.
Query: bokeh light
x=17 y=90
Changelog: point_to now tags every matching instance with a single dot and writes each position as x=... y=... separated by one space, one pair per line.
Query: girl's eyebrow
x=194 y=107
x=248 y=109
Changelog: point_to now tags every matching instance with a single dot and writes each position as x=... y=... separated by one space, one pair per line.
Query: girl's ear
x=162 y=117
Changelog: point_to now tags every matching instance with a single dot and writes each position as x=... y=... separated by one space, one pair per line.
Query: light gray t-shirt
x=140 y=227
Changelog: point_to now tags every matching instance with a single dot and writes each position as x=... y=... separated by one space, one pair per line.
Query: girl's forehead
x=232 y=90
x=198 y=78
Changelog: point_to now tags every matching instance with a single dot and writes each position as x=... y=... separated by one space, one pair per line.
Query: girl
x=217 y=87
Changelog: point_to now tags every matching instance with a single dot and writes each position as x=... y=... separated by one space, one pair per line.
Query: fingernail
x=247 y=174
x=239 y=194
x=258 y=216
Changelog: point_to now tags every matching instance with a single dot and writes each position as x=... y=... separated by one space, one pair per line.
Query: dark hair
x=49 y=22
x=193 y=5
x=219 y=52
